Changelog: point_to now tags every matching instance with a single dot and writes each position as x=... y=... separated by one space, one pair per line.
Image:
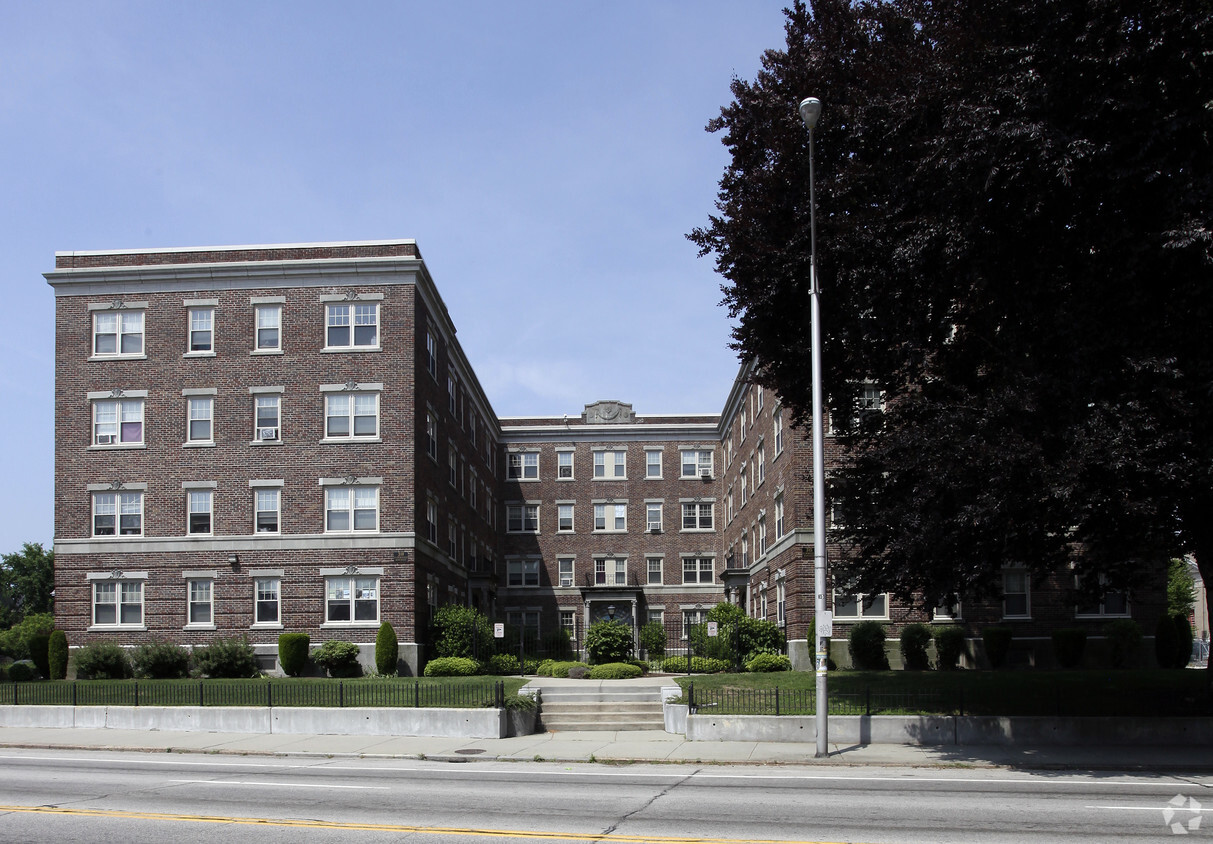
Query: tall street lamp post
x=810 y=110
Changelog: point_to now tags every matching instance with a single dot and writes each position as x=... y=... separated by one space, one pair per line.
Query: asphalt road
x=51 y=796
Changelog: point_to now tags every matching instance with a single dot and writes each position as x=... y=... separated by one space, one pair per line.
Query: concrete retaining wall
x=948 y=729
x=445 y=723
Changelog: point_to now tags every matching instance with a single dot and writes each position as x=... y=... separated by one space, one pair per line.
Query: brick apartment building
x=253 y=440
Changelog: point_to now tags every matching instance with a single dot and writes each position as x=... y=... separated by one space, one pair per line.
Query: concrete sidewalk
x=639 y=746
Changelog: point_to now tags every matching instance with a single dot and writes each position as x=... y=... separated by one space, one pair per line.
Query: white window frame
x=355 y=495
x=1101 y=610
x=431 y=435
x=779 y=516
x=355 y=410
x=267 y=591
x=126 y=597
x=654 y=516
x=136 y=318
x=262 y=497
x=521 y=517
x=657 y=570
x=200 y=409
x=698 y=460
x=522 y=573
x=698 y=569
x=777 y=426
x=199 y=502
x=431 y=354
x=1027 y=593
x=356 y=593
x=119 y=505
x=265 y=402
x=565 y=517
x=522 y=466
x=351 y=316
x=618 y=465
x=118 y=409
x=653 y=463
x=197 y=598
x=564 y=466
x=701 y=514
x=566 y=570
x=200 y=320
x=862 y=612
x=264 y=322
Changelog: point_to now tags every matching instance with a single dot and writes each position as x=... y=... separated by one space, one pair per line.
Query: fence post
x=962 y=700
x=200 y=687
x=416 y=694
x=691 y=697
x=867 y=695
x=777 y=700
x=136 y=693
x=73 y=693
x=269 y=694
x=340 y=694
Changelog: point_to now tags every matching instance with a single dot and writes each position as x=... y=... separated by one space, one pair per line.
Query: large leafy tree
x=27 y=583
x=1014 y=205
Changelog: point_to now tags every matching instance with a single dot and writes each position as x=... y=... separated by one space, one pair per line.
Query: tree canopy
x=1014 y=245
x=27 y=583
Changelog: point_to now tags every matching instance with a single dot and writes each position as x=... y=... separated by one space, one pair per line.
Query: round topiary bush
x=949 y=647
x=608 y=641
x=866 y=643
x=699 y=665
x=228 y=659
x=22 y=671
x=998 y=644
x=764 y=662
x=544 y=669
x=451 y=666
x=339 y=659
x=614 y=671
x=56 y=655
x=387 y=650
x=561 y=669
x=914 y=641
x=102 y=661
x=501 y=664
x=38 y=643
x=292 y=653
x=1069 y=644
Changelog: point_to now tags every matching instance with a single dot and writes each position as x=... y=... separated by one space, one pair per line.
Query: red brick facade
x=163 y=358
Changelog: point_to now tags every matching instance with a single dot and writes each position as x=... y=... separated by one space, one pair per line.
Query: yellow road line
x=371 y=827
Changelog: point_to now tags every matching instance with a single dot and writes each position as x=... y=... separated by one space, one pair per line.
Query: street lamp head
x=810 y=110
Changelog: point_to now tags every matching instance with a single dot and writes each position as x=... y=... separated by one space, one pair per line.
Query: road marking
x=281 y=784
x=532 y=835
x=1149 y=809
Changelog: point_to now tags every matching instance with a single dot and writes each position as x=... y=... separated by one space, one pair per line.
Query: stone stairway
x=608 y=707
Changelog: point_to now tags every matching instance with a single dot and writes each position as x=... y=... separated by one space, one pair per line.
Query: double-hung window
x=697 y=515
x=611 y=517
x=267 y=419
x=201 y=331
x=779 y=525
x=431 y=435
x=611 y=571
x=351 y=508
x=522 y=518
x=118 y=603
x=522 y=572
x=351 y=599
x=564 y=465
x=610 y=464
x=652 y=463
x=1016 y=595
x=854 y=606
x=565 y=567
x=268 y=328
x=201 y=422
x=522 y=466
x=654 y=570
x=696 y=464
x=200 y=516
x=777 y=423
x=351 y=415
x=200 y=609
x=352 y=326
x=117 y=333
x=564 y=518
x=118 y=422
x=268 y=504
x=698 y=569
x=118 y=513
x=266 y=603
x=653 y=516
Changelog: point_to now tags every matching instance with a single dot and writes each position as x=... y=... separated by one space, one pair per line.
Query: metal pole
x=810 y=108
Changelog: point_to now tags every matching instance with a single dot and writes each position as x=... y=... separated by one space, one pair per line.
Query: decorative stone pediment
x=608 y=413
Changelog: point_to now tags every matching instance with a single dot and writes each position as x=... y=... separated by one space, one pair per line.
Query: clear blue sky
x=549 y=158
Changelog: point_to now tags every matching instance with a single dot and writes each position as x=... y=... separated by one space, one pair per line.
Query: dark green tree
x=1014 y=247
x=27 y=581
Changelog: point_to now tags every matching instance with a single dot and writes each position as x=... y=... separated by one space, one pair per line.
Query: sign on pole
x=498 y=631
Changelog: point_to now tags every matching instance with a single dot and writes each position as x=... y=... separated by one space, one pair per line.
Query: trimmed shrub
x=56 y=655
x=501 y=664
x=699 y=665
x=102 y=661
x=161 y=661
x=22 y=671
x=387 y=650
x=641 y=664
x=949 y=647
x=998 y=644
x=227 y=658
x=652 y=639
x=561 y=669
x=866 y=643
x=339 y=659
x=521 y=703
x=462 y=631
x=530 y=665
x=451 y=666
x=614 y=671
x=38 y=642
x=1124 y=638
x=914 y=641
x=1069 y=645
x=765 y=662
x=292 y=653
x=1166 y=643
x=544 y=669
x=608 y=641
x=15 y=641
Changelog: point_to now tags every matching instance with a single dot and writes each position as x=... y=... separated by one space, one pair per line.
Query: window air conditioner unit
x=105 y=439
x=706 y=474
x=267 y=433
x=654 y=527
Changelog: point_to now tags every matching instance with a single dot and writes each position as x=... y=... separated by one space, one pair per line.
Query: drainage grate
x=470 y=751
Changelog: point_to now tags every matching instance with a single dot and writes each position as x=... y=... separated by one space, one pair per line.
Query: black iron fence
x=312 y=693
x=1056 y=702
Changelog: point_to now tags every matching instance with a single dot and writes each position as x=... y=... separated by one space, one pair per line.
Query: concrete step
x=600 y=726
x=647 y=707
x=616 y=708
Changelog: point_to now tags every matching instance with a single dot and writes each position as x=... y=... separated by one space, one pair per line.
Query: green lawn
x=1116 y=693
x=458 y=692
